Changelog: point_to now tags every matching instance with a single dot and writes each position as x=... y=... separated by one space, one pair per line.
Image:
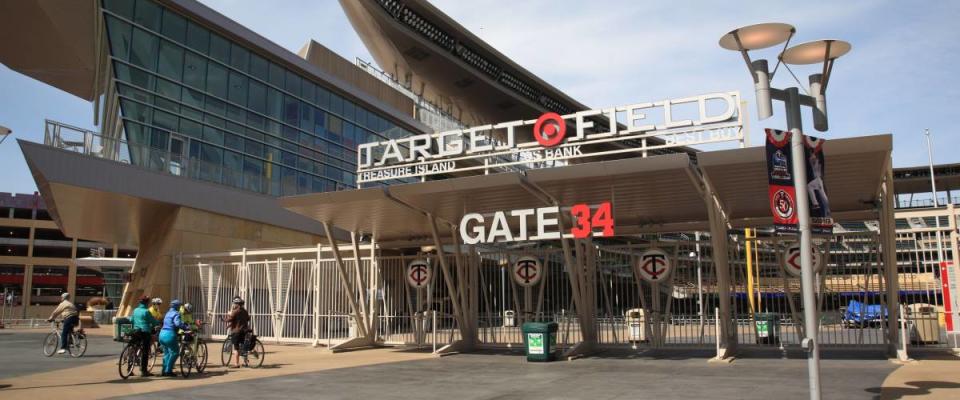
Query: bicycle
x=130 y=357
x=76 y=345
x=190 y=359
x=251 y=351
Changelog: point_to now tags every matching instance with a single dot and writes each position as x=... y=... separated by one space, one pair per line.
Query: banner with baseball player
x=821 y=223
x=781 y=192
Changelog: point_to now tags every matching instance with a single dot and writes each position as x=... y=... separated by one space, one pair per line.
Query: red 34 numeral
x=584 y=222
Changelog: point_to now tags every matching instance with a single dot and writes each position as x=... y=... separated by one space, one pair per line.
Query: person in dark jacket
x=238 y=320
x=143 y=325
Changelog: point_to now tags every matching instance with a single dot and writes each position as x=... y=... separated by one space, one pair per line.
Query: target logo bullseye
x=550 y=129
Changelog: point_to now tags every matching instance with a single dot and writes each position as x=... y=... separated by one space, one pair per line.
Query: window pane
x=124 y=8
x=232 y=141
x=136 y=111
x=171 y=60
x=257 y=100
x=238 y=88
x=215 y=106
x=306 y=117
x=191 y=128
x=239 y=57
x=168 y=89
x=211 y=157
x=276 y=75
x=166 y=120
x=291 y=110
x=147 y=14
x=259 y=67
x=174 y=26
x=194 y=71
x=219 y=48
x=252 y=174
x=289 y=182
x=293 y=83
x=323 y=98
x=144 y=50
x=307 y=90
x=119 y=35
x=319 y=116
x=274 y=103
x=217 y=80
x=232 y=169
x=198 y=38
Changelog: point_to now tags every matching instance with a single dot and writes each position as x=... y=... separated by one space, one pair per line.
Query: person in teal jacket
x=168 y=337
x=143 y=324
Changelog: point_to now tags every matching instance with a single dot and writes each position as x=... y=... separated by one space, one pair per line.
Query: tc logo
x=527 y=271
x=654 y=265
x=418 y=273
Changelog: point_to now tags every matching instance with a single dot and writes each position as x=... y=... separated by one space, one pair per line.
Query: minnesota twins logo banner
x=821 y=223
x=781 y=193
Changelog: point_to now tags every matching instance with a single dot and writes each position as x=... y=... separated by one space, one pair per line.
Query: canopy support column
x=365 y=339
x=463 y=344
x=888 y=250
x=727 y=342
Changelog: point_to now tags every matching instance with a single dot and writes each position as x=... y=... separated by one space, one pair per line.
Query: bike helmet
x=188 y=307
x=65 y=296
x=175 y=304
x=157 y=301
x=237 y=300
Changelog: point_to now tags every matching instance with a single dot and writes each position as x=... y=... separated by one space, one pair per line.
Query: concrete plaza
x=304 y=372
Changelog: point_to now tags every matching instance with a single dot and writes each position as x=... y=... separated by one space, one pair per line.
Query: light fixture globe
x=817 y=51
x=759 y=36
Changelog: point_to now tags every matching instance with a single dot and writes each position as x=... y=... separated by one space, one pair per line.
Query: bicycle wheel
x=254 y=358
x=187 y=361
x=78 y=347
x=154 y=356
x=128 y=360
x=226 y=353
x=201 y=355
x=50 y=343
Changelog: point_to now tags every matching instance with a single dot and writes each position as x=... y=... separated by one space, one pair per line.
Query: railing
x=925 y=203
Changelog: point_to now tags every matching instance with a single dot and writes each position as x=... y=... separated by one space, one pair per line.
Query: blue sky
x=898 y=79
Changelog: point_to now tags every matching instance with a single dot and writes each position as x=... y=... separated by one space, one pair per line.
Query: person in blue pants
x=168 y=337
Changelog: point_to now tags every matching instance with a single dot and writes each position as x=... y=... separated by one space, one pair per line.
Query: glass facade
x=202 y=105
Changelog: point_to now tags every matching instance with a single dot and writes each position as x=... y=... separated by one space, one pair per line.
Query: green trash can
x=767 y=328
x=540 y=340
x=122 y=328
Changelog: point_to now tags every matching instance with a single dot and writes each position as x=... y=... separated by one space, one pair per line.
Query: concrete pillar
x=72 y=272
x=27 y=289
x=888 y=249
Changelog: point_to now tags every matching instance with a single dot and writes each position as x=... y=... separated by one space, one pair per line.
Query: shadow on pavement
x=916 y=388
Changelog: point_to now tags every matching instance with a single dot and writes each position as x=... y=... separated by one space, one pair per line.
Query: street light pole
x=762 y=36
x=810 y=311
x=933 y=192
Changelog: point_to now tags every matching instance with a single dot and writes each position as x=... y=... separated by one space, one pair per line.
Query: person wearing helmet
x=238 y=320
x=168 y=337
x=71 y=318
x=143 y=324
x=186 y=315
x=155 y=305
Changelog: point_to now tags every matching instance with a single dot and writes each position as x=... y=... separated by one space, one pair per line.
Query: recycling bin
x=122 y=329
x=540 y=340
x=635 y=328
x=509 y=318
x=767 y=328
x=924 y=323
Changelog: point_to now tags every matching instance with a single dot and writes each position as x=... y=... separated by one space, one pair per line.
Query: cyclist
x=238 y=320
x=154 y=309
x=71 y=318
x=168 y=337
x=186 y=315
x=143 y=324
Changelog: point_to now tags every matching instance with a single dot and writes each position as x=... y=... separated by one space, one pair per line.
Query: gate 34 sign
x=500 y=227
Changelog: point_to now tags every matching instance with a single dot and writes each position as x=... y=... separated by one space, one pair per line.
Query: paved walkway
x=304 y=372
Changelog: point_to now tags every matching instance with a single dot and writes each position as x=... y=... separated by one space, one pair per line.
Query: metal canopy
x=647 y=194
x=662 y=193
x=854 y=171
